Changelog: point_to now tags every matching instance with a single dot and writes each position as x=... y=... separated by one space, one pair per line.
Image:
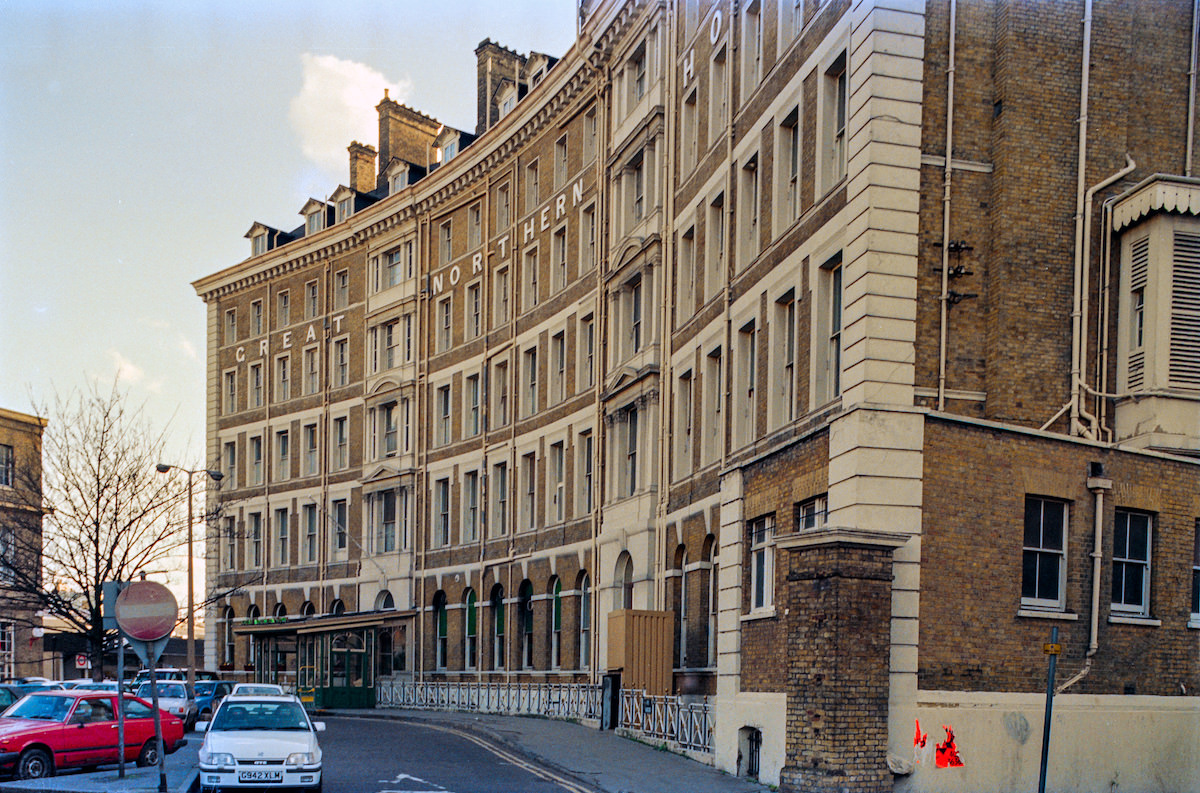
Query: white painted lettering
x=455 y=275
x=714 y=28
x=530 y=228
x=689 y=66
x=311 y=335
x=287 y=340
x=576 y=194
x=337 y=323
x=437 y=284
x=240 y=354
x=504 y=247
x=560 y=206
x=262 y=347
x=545 y=218
x=477 y=264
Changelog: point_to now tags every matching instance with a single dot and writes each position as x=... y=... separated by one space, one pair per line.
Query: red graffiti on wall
x=945 y=755
x=947 y=752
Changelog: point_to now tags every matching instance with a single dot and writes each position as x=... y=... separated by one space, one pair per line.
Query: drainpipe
x=1076 y=427
x=1098 y=485
x=1191 y=125
x=1085 y=254
x=944 y=299
x=665 y=326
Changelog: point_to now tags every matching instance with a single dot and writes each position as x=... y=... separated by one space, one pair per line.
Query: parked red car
x=49 y=730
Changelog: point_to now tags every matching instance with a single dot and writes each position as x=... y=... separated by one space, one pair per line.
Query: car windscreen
x=42 y=707
x=260 y=716
x=205 y=688
x=170 y=690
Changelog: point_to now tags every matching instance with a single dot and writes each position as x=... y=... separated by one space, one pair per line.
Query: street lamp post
x=217 y=476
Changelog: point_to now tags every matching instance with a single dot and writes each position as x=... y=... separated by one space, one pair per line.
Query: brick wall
x=972 y=637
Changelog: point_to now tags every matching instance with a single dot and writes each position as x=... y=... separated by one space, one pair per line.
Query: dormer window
x=397 y=182
x=314 y=216
x=449 y=150
x=260 y=238
x=506 y=98
x=345 y=208
x=312 y=223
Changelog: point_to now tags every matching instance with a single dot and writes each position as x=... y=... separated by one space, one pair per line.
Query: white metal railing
x=554 y=700
x=683 y=725
x=687 y=725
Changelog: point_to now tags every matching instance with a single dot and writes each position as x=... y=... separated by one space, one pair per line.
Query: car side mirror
x=201 y=726
x=319 y=726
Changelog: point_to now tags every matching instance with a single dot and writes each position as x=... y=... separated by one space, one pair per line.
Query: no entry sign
x=146 y=611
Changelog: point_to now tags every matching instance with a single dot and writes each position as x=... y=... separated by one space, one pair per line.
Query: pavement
x=182 y=775
x=602 y=761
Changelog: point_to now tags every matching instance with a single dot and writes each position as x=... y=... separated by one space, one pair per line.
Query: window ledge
x=1048 y=615
x=1146 y=622
x=761 y=614
x=1194 y=622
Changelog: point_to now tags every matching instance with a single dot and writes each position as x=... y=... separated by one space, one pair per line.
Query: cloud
x=335 y=106
x=127 y=370
x=186 y=347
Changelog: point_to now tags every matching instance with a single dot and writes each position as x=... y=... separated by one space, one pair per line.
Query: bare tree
x=108 y=514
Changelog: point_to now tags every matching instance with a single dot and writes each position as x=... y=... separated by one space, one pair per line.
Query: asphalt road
x=365 y=755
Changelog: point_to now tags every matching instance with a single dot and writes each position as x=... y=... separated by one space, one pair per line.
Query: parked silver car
x=175 y=698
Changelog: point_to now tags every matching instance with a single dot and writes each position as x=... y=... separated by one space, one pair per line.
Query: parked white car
x=256 y=741
x=174 y=698
x=257 y=690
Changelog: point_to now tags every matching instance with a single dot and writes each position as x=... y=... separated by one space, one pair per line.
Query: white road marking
x=541 y=773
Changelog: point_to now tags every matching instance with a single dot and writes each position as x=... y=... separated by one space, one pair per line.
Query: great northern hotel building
x=721 y=347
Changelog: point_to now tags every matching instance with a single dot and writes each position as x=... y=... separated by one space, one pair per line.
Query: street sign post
x=147 y=612
x=111 y=590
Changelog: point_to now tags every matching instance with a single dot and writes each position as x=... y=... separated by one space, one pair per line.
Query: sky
x=139 y=141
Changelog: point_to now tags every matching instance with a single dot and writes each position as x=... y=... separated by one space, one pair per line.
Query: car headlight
x=215 y=758
x=301 y=758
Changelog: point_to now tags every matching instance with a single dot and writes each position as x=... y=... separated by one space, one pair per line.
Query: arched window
x=681 y=608
x=555 y=622
x=252 y=614
x=384 y=601
x=307 y=609
x=498 y=648
x=280 y=610
x=623 y=582
x=338 y=608
x=470 y=631
x=584 y=585
x=228 y=617
x=709 y=599
x=525 y=606
x=441 y=627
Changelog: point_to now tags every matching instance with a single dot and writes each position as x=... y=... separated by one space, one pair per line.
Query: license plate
x=260 y=776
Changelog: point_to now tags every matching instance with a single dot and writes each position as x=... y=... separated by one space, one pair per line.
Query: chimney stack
x=362 y=167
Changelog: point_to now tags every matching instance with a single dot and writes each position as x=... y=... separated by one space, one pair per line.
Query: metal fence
x=555 y=700
x=686 y=725
x=682 y=725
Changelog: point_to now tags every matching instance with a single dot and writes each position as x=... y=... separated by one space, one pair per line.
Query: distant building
x=20 y=542
x=720 y=322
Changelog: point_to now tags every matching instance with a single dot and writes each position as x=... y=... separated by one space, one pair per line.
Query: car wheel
x=149 y=755
x=35 y=764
